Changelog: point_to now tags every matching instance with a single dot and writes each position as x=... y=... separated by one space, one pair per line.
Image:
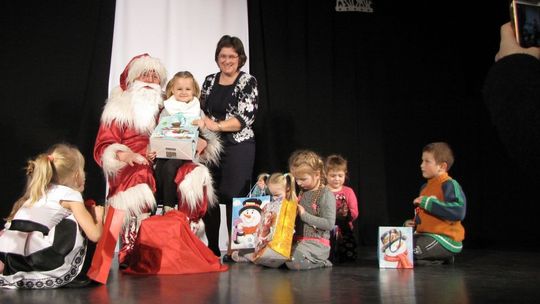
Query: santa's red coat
x=128 y=176
x=130 y=188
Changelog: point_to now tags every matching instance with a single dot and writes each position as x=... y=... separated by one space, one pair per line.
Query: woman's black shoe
x=227 y=259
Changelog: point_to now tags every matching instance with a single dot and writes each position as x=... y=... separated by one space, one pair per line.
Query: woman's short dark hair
x=236 y=44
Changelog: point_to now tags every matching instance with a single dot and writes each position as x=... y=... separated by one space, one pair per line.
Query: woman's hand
x=211 y=125
x=509 y=44
x=131 y=158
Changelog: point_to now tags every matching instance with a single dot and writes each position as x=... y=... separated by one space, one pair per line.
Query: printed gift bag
x=275 y=233
x=102 y=259
x=246 y=215
x=395 y=249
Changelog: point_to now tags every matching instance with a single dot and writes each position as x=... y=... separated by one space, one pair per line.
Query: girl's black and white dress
x=43 y=246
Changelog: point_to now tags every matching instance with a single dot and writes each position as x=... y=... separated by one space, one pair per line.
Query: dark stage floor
x=478 y=276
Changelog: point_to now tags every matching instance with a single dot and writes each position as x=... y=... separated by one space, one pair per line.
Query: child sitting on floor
x=316 y=213
x=44 y=243
x=439 y=209
x=343 y=242
x=280 y=186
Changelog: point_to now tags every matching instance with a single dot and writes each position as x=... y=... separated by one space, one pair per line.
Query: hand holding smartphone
x=525 y=16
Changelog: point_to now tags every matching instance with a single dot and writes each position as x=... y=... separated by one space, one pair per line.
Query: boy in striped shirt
x=439 y=209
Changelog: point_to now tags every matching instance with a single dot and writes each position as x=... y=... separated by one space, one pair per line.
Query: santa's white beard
x=147 y=100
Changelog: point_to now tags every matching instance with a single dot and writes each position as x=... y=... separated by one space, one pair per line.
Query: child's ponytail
x=39 y=173
x=290 y=187
x=41 y=177
x=59 y=165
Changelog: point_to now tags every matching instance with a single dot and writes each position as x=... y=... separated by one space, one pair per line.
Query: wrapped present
x=275 y=233
x=395 y=249
x=246 y=215
x=175 y=137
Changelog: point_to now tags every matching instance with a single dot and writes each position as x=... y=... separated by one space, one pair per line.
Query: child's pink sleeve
x=352 y=203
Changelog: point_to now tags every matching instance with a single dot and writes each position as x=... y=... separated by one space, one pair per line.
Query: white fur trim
x=144 y=64
x=115 y=92
x=137 y=200
x=212 y=152
x=111 y=164
x=191 y=188
x=119 y=109
x=198 y=228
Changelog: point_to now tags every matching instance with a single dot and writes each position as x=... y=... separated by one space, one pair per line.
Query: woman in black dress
x=229 y=100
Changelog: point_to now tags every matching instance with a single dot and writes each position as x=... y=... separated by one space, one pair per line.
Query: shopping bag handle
x=250 y=194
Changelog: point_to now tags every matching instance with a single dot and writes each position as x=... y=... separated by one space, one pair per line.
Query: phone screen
x=526 y=19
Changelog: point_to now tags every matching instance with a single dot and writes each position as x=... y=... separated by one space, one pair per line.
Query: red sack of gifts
x=166 y=245
x=103 y=256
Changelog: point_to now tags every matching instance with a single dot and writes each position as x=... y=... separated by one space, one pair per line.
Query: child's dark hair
x=441 y=152
x=236 y=44
x=335 y=162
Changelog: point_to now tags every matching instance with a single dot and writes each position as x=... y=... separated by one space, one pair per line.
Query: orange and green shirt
x=441 y=211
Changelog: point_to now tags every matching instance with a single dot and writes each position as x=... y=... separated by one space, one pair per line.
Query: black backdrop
x=374 y=87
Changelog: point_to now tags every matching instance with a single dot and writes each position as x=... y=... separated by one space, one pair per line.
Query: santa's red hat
x=140 y=64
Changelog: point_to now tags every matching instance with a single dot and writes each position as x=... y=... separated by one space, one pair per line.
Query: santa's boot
x=127 y=241
x=129 y=236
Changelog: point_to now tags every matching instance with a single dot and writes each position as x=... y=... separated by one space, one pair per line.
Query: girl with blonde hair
x=282 y=186
x=43 y=244
x=316 y=213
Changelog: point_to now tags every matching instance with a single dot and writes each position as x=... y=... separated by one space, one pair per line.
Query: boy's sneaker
x=427 y=262
x=449 y=261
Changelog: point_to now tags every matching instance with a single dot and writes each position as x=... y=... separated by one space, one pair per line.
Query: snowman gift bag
x=395 y=249
x=246 y=216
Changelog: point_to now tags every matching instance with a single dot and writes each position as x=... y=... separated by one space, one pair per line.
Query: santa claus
x=121 y=147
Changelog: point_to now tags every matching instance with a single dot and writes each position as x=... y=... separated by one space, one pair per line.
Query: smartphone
x=525 y=16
